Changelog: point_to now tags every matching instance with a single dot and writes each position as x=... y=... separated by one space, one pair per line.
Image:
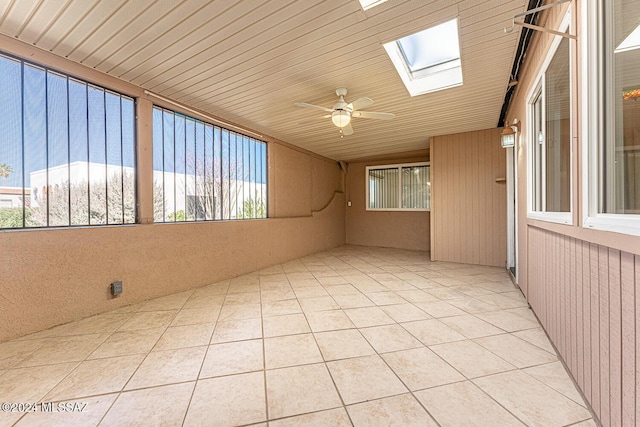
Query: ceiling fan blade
x=317 y=107
x=373 y=115
x=347 y=130
x=360 y=103
x=315 y=119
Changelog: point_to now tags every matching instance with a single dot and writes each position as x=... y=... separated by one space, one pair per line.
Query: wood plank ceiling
x=250 y=61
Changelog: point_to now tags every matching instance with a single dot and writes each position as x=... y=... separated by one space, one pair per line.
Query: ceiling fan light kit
x=342 y=112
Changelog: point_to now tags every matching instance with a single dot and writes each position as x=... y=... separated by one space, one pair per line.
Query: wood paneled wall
x=468 y=205
x=586 y=297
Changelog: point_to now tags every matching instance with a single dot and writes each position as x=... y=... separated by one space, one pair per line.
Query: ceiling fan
x=342 y=112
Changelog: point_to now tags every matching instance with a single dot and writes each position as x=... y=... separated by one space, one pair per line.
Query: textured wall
x=468 y=205
x=405 y=230
x=50 y=277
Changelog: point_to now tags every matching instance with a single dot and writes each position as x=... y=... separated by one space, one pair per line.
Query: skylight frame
x=368 y=4
x=437 y=76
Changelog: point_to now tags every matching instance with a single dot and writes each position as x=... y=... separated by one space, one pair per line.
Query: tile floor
x=352 y=336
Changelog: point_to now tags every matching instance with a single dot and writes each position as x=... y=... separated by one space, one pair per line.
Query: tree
x=5 y=170
x=254 y=208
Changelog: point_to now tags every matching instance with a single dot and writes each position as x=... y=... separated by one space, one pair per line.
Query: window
x=428 y=60
x=203 y=172
x=68 y=149
x=612 y=130
x=399 y=187
x=550 y=138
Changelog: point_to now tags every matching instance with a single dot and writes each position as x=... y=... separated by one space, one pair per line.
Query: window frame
x=593 y=88
x=536 y=92
x=398 y=166
x=88 y=83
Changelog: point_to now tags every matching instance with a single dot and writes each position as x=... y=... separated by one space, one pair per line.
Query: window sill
x=624 y=224
x=556 y=217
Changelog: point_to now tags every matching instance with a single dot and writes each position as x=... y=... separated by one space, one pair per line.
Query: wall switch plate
x=349 y=203
x=116 y=288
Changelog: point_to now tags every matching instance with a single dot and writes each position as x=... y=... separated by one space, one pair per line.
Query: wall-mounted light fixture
x=508 y=135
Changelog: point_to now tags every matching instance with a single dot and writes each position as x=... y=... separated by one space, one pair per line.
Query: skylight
x=433 y=46
x=368 y=4
x=631 y=42
x=428 y=60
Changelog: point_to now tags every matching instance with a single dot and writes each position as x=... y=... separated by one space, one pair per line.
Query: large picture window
x=204 y=172
x=550 y=138
x=67 y=155
x=612 y=115
x=399 y=187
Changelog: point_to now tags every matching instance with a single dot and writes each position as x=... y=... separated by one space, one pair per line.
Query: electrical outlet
x=116 y=288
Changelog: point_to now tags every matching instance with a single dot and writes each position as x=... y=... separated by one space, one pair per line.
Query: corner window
x=612 y=115
x=405 y=187
x=203 y=172
x=67 y=155
x=550 y=138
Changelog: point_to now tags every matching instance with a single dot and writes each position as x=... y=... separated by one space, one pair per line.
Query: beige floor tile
x=368 y=316
x=299 y=275
x=471 y=359
x=445 y=293
x=156 y=406
x=440 y=309
x=185 y=336
x=332 y=417
x=168 y=366
x=386 y=298
x=390 y=338
x=353 y=301
x=280 y=308
x=511 y=320
x=289 y=324
x=91 y=378
x=555 y=376
x=32 y=383
x=128 y=342
x=228 y=401
x=291 y=350
x=343 y=344
x=432 y=331
x=516 y=351
x=169 y=302
x=472 y=305
x=364 y=378
x=585 y=423
x=503 y=302
x=195 y=316
x=237 y=330
x=241 y=288
x=401 y=411
x=278 y=294
x=310 y=305
x=63 y=349
x=398 y=285
x=299 y=390
x=232 y=358
x=470 y=326
x=242 y=298
x=332 y=320
x=332 y=280
x=203 y=300
x=421 y=368
x=104 y=323
x=537 y=337
x=405 y=312
x=86 y=412
x=310 y=292
x=542 y=406
x=13 y=352
x=148 y=320
x=464 y=404
x=239 y=312
x=416 y=295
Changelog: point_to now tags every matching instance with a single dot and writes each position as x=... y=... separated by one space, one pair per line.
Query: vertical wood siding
x=468 y=206
x=586 y=297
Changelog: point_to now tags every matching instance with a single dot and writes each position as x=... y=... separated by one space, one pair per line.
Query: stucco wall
x=405 y=230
